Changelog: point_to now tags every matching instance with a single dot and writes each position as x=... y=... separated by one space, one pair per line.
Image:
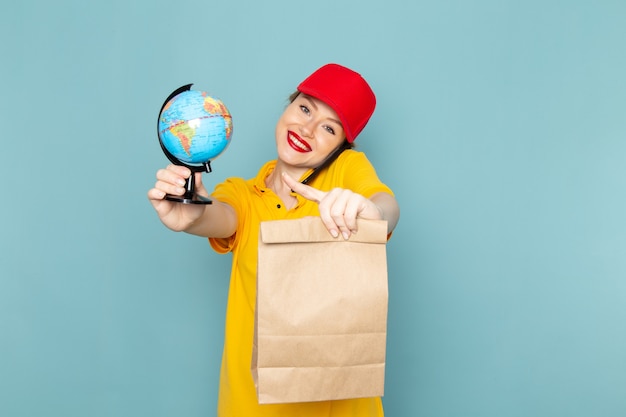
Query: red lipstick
x=297 y=143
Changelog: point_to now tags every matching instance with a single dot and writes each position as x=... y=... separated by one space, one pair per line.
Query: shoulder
x=257 y=182
x=351 y=159
x=352 y=155
x=358 y=174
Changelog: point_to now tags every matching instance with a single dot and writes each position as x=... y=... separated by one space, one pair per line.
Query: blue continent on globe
x=195 y=127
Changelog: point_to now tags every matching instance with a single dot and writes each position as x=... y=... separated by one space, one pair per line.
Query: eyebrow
x=310 y=100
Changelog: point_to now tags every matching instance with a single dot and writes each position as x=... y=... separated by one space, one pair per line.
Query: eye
x=305 y=109
x=329 y=129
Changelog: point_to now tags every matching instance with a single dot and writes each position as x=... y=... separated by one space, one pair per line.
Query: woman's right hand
x=171 y=180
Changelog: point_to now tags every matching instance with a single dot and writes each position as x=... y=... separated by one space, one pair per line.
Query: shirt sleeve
x=229 y=192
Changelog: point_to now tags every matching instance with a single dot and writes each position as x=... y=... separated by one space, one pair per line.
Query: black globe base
x=190 y=196
x=189 y=199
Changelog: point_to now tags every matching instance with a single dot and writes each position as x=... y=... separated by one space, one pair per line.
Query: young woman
x=316 y=173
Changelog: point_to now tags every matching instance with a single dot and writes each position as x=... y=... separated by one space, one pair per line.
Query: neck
x=275 y=183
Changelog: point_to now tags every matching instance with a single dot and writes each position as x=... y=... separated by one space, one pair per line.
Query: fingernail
x=334 y=233
x=346 y=235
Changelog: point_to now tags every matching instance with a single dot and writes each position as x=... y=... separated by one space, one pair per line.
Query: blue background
x=500 y=125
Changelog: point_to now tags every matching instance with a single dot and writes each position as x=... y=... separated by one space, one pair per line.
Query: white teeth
x=298 y=143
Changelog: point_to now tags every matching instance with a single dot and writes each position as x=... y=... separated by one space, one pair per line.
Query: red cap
x=346 y=92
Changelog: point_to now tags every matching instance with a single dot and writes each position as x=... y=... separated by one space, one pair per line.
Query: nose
x=308 y=128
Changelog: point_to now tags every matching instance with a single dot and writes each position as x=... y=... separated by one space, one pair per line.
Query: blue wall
x=501 y=126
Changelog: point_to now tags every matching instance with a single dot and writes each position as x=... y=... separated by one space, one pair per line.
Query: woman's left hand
x=339 y=208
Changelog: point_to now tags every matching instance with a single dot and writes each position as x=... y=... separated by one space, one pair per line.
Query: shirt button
x=277 y=205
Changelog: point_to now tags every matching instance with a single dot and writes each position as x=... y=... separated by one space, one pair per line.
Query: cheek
x=330 y=142
x=281 y=128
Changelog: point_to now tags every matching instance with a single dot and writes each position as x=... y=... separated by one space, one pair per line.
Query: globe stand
x=190 y=196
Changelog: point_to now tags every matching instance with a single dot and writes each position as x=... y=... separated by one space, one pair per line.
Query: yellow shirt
x=254 y=203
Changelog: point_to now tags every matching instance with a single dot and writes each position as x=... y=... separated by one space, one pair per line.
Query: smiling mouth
x=297 y=143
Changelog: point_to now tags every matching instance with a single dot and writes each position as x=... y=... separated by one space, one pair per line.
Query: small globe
x=194 y=127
